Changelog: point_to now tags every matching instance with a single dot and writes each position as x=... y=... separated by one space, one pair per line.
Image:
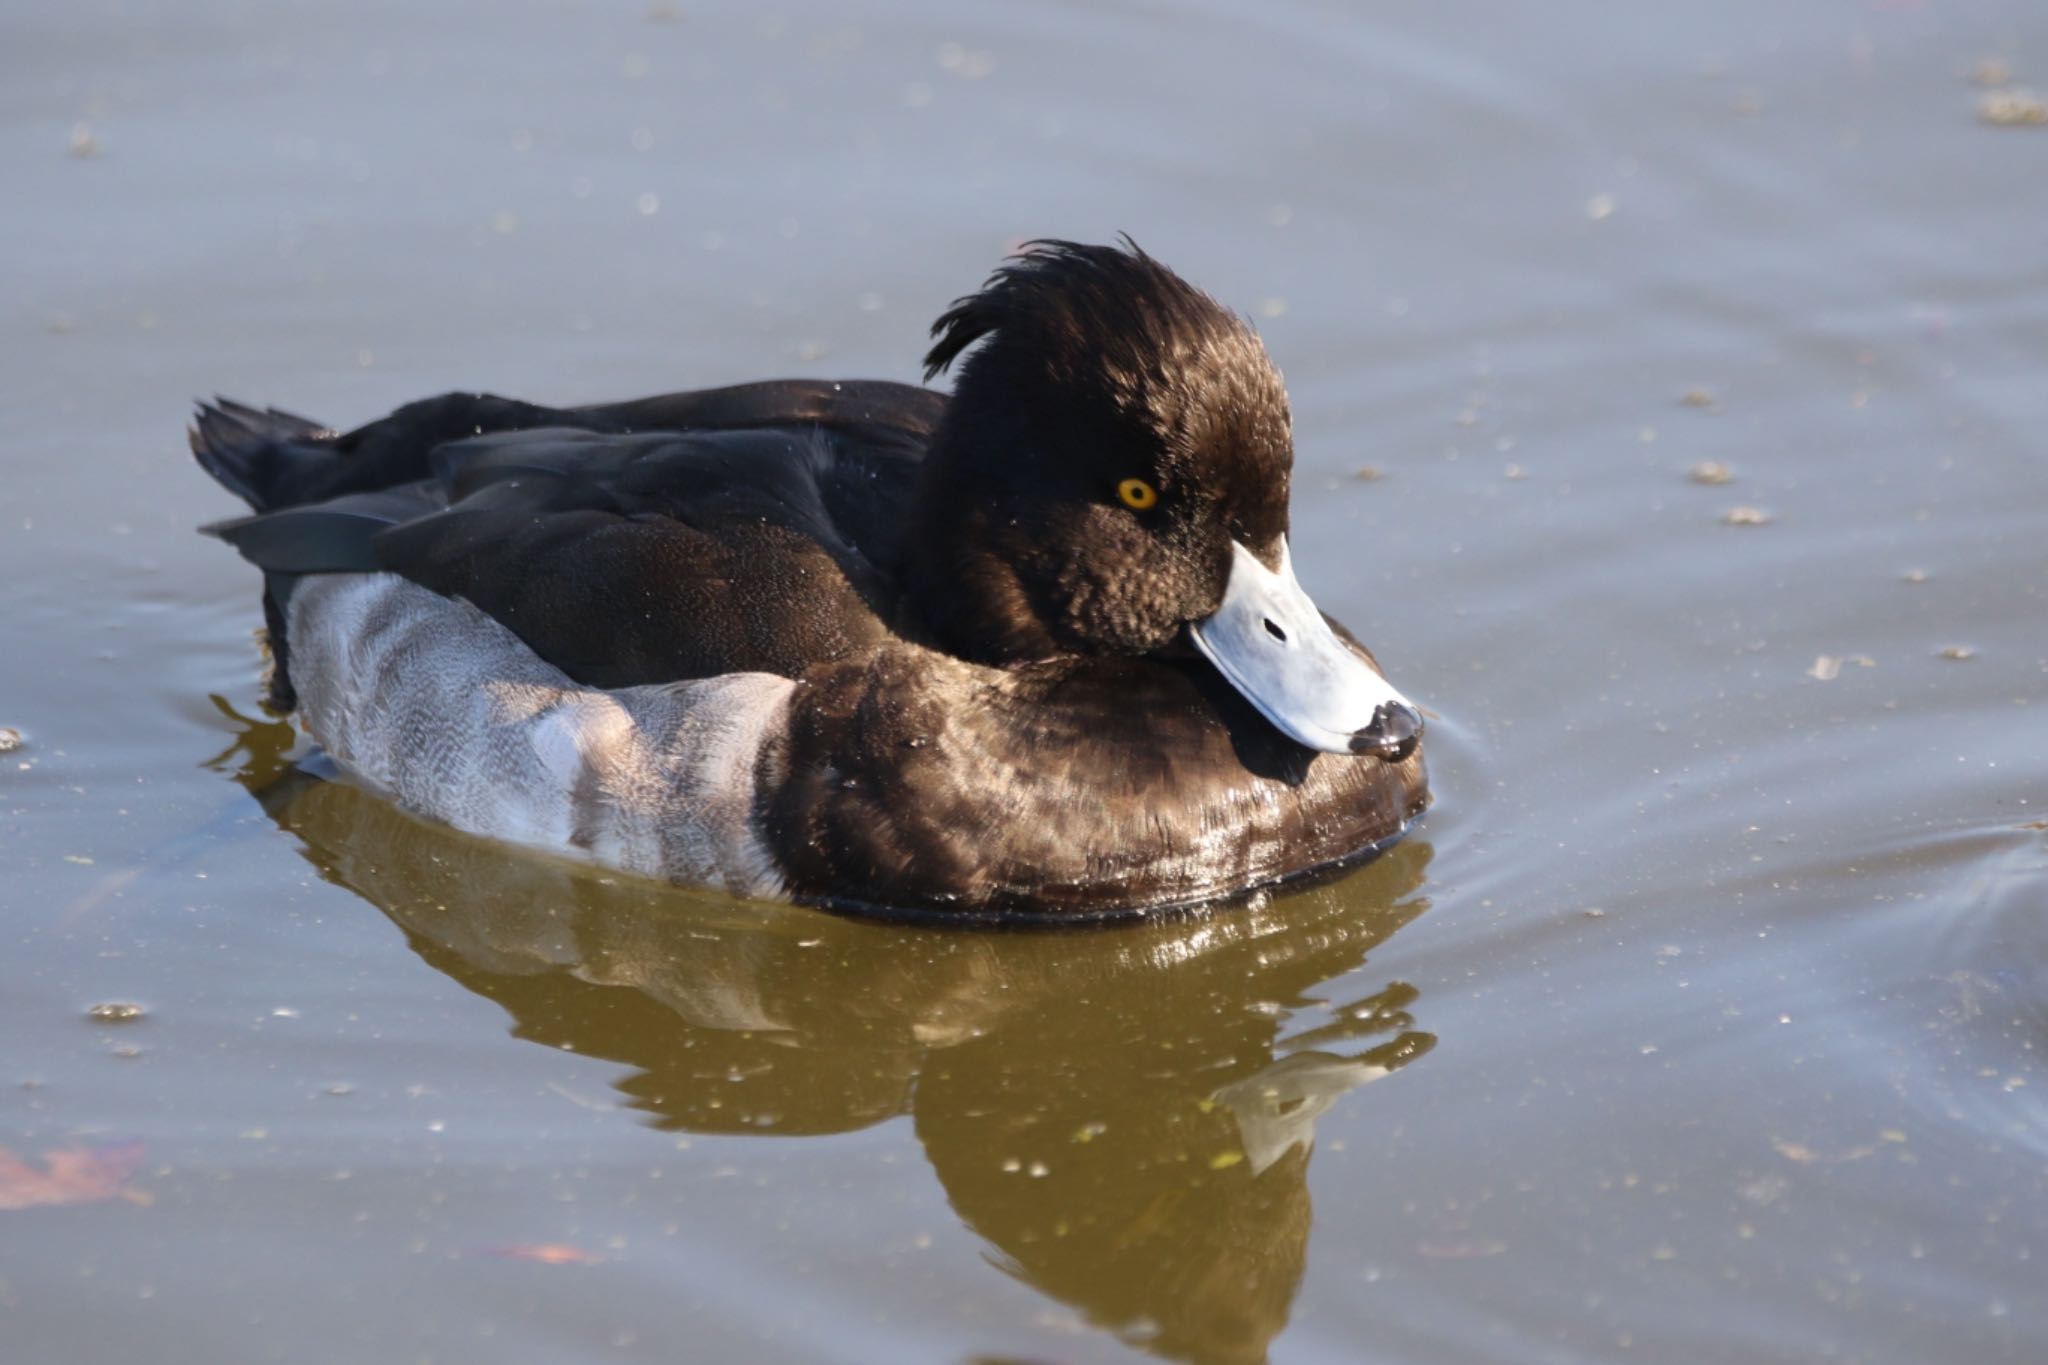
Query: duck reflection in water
x=1126 y=1114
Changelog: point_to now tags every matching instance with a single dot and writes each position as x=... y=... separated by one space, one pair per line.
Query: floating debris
x=115 y=1012
x=1462 y=1249
x=1746 y=516
x=1958 y=652
x=969 y=64
x=1807 y=1155
x=10 y=739
x=1368 y=473
x=1712 y=473
x=1992 y=71
x=1699 y=398
x=71 y=1175
x=542 y=1253
x=1828 y=667
x=2012 y=107
x=1913 y=576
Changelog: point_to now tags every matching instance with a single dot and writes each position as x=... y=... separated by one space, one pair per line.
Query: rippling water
x=1702 y=1018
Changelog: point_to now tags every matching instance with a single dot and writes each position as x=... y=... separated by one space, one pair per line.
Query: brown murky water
x=1702 y=1019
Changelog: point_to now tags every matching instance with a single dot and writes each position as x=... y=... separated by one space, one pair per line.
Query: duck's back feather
x=621 y=558
x=272 y=459
x=625 y=560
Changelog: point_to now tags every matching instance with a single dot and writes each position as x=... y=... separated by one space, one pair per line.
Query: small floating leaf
x=2012 y=107
x=1991 y=71
x=1828 y=667
x=70 y=1175
x=543 y=1253
x=1807 y=1156
x=1463 y=1249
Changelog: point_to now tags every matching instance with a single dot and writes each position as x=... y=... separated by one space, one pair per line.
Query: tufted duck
x=1036 y=648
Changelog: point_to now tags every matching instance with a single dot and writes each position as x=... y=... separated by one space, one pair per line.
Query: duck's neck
x=961 y=576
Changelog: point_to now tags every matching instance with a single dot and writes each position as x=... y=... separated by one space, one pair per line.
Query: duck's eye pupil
x=1137 y=494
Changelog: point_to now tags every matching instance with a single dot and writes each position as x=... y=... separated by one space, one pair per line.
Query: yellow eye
x=1137 y=494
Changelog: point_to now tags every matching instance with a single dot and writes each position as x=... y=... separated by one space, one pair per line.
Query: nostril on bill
x=1273 y=629
x=1392 y=734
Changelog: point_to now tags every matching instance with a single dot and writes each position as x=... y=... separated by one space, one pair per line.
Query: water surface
x=1700 y=1020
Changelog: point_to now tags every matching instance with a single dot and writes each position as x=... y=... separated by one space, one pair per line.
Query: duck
x=1036 y=649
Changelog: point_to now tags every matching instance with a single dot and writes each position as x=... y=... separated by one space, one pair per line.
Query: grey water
x=1669 y=401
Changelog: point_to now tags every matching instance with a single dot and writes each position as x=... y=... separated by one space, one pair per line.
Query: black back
x=768 y=538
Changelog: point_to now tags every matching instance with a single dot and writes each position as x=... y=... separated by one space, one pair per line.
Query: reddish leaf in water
x=70 y=1175
x=547 y=1253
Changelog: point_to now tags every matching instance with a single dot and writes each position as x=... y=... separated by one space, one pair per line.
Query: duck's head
x=1111 y=477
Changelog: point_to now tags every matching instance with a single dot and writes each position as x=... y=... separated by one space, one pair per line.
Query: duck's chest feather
x=906 y=780
x=1083 y=786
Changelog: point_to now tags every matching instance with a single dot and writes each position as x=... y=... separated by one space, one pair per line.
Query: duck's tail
x=259 y=456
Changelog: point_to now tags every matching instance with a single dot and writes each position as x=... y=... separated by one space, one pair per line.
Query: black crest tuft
x=1061 y=298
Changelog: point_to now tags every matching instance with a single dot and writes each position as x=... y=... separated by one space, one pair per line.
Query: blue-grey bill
x=1270 y=642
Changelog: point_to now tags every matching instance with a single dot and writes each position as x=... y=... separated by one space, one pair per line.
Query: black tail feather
x=254 y=453
x=258 y=455
x=336 y=536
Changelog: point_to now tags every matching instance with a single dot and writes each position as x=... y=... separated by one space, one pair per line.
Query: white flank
x=449 y=712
